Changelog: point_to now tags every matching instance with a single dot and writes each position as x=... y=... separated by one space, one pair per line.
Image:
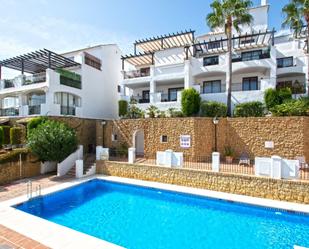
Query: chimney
x=264 y=2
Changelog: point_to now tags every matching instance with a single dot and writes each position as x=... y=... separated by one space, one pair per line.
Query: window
x=213 y=60
x=173 y=92
x=35 y=99
x=145 y=71
x=9 y=102
x=164 y=139
x=119 y=88
x=214 y=45
x=114 y=137
x=247 y=41
x=92 y=61
x=296 y=86
x=67 y=102
x=146 y=94
x=285 y=62
x=251 y=55
x=250 y=84
x=212 y=86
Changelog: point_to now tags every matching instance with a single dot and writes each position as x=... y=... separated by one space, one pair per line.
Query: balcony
x=23 y=80
x=144 y=72
x=12 y=111
x=68 y=110
x=252 y=55
x=34 y=110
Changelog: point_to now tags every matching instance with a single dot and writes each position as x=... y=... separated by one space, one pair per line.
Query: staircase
x=124 y=131
x=89 y=160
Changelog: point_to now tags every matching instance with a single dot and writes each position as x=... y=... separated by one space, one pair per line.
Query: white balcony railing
x=23 y=80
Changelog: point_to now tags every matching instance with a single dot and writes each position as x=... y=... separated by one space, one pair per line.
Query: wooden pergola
x=38 y=61
x=241 y=42
x=179 y=39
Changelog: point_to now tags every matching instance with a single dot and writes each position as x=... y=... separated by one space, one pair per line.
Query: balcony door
x=250 y=84
x=146 y=96
x=172 y=93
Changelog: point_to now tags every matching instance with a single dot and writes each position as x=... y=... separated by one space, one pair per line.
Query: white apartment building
x=161 y=67
x=80 y=83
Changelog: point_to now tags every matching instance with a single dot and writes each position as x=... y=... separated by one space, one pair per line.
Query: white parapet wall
x=277 y=167
x=64 y=167
x=102 y=153
x=169 y=158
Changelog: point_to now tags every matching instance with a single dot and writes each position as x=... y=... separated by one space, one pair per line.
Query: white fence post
x=215 y=161
x=131 y=157
x=276 y=167
x=79 y=168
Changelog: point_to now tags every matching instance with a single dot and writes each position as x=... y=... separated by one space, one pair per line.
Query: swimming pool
x=146 y=218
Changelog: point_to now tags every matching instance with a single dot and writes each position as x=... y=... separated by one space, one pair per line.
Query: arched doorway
x=138 y=142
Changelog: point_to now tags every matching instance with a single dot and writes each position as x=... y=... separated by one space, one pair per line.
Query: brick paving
x=19 y=187
x=10 y=239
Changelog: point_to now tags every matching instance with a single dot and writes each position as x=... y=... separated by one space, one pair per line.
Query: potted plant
x=229 y=154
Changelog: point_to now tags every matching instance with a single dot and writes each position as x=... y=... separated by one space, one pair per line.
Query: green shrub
x=272 y=98
x=52 y=141
x=13 y=155
x=173 y=113
x=1 y=136
x=122 y=108
x=153 y=111
x=249 y=109
x=34 y=123
x=6 y=134
x=292 y=108
x=285 y=94
x=190 y=102
x=134 y=111
x=16 y=135
x=213 y=109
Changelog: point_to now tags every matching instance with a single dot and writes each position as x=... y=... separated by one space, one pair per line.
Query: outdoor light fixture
x=216 y=122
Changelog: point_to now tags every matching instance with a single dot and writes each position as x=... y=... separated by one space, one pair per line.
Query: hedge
x=6 y=133
x=273 y=97
x=13 y=155
x=34 y=123
x=122 y=108
x=292 y=108
x=190 y=102
x=249 y=109
x=16 y=135
x=213 y=109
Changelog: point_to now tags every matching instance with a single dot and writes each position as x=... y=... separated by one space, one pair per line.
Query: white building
x=162 y=66
x=80 y=83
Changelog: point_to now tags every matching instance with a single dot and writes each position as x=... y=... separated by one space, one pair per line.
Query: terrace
x=35 y=64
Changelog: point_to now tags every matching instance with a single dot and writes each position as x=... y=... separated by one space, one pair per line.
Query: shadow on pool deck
x=19 y=187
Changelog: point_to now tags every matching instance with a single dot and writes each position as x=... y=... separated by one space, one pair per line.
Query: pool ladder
x=38 y=190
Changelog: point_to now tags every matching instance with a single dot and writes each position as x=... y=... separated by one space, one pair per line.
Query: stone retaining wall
x=12 y=171
x=282 y=190
x=289 y=134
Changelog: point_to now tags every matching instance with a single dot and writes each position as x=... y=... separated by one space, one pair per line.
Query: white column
x=79 y=169
x=153 y=89
x=215 y=161
x=273 y=68
x=132 y=153
x=188 y=79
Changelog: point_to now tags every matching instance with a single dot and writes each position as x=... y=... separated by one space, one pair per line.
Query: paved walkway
x=19 y=187
x=10 y=239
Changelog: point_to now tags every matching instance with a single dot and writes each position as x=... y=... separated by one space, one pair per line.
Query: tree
x=52 y=141
x=190 y=102
x=296 y=15
x=229 y=14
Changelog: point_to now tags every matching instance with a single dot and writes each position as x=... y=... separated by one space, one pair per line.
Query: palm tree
x=229 y=14
x=296 y=15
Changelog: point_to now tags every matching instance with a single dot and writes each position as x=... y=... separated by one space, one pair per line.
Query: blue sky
x=63 y=25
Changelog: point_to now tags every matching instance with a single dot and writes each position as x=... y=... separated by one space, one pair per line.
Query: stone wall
x=289 y=134
x=282 y=190
x=12 y=171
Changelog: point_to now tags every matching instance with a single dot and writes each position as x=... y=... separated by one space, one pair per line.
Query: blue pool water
x=143 y=218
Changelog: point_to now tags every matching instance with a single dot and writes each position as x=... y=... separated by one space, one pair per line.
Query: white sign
x=269 y=145
x=185 y=141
